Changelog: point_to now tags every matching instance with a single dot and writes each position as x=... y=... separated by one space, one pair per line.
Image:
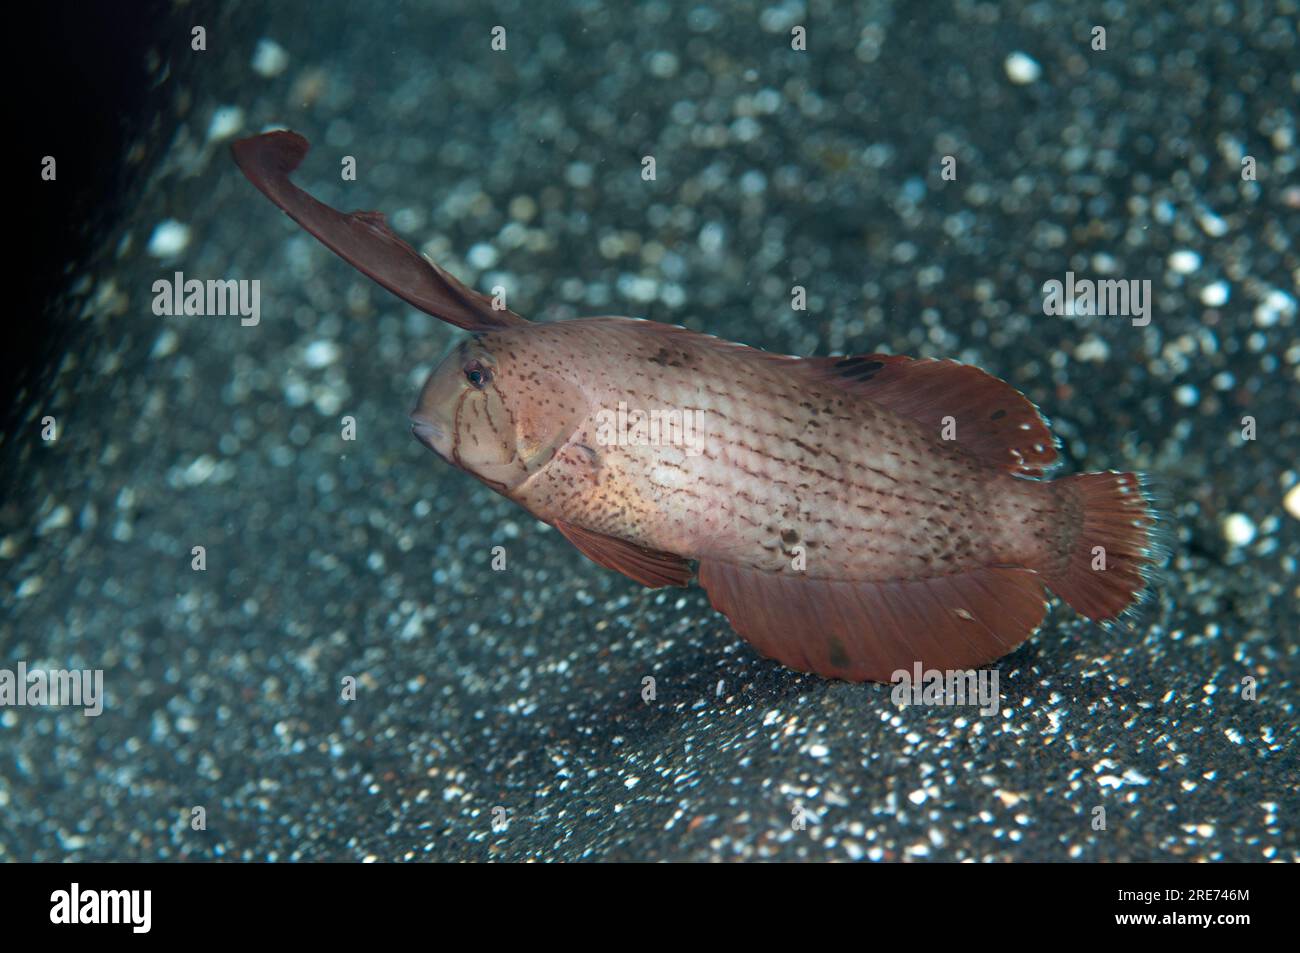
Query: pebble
x=1215 y=295
x=1022 y=69
x=269 y=58
x=1291 y=502
x=226 y=121
x=1276 y=305
x=482 y=256
x=321 y=353
x=169 y=239
x=1238 y=529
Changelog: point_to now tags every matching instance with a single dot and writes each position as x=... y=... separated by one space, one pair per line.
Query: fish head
x=496 y=410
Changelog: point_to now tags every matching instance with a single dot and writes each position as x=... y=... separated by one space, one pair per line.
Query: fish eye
x=477 y=374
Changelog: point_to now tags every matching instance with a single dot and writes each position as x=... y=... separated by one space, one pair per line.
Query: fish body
x=851 y=516
x=779 y=457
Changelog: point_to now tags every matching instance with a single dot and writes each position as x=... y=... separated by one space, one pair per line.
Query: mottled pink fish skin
x=784 y=462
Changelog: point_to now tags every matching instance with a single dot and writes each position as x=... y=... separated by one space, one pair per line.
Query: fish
x=851 y=516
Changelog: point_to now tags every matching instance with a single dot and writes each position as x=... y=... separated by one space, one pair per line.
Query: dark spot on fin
x=859 y=368
x=865 y=372
x=839 y=657
x=997 y=415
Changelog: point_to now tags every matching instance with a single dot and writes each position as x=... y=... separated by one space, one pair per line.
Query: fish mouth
x=427 y=432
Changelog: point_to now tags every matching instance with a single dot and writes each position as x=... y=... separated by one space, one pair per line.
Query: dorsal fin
x=992 y=419
x=363 y=239
x=650 y=567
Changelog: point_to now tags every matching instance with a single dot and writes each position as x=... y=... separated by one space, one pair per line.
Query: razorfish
x=850 y=516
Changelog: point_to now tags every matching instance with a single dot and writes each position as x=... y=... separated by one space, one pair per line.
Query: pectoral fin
x=651 y=568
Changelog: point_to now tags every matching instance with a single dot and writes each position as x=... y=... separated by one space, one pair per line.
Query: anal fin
x=866 y=631
x=650 y=567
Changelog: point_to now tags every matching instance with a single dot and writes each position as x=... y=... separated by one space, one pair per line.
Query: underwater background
x=518 y=694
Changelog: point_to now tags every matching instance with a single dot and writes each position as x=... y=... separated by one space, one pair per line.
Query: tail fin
x=1115 y=548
